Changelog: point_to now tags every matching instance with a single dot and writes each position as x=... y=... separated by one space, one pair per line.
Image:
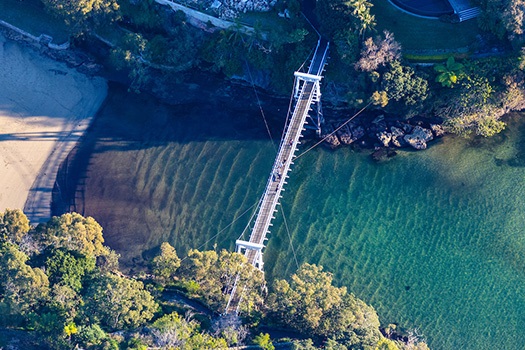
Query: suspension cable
x=253 y=215
x=288 y=113
x=260 y=106
x=307 y=58
x=221 y=231
x=289 y=237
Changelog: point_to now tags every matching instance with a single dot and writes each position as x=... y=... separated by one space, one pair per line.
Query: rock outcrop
x=357 y=132
x=330 y=139
x=382 y=132
x=384 y=137
x=345 y=135
x=437 y=129
x=397 y=137
x=419 y=137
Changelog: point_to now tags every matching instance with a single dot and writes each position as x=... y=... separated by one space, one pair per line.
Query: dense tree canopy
x=77 y=12
x=171 y=331
x=402 y=83
x=165 y=264
x=311 y=304
x=22 y=287
x=72 y=296
x=504 y=17
x=73 y=232
x=65 y=268
x=14 y=225
x=118 y=302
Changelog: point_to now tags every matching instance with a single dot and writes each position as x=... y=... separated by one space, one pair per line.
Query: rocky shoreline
x=382 y=134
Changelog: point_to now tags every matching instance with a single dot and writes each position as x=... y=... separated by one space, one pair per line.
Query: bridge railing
x=307 y=94
x=281 y=165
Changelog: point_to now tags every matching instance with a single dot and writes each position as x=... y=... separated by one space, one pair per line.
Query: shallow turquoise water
x=434 y=240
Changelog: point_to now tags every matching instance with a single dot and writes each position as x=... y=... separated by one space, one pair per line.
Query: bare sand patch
x=45 y=107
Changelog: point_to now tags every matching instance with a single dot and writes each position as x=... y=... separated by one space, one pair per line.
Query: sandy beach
x=44 y=109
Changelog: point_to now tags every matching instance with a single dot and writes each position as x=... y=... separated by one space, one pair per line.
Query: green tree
x=310 y=304
x=14 y=225
x=361 y=11
x=474 y=107
x=386 y=344
x=401 y=83
x=334 y=16
x=221 y=50
x=64 y=303
x=173 y=332
x=179 y=49
x=108 y=262
x=73 y=232
x=303 y=303
x=347 y=45
x=65 y=268
x=118 y=302
x=22 y=288
x=216 y=274
x=505 y=18
x=264 y=341
x=449 y=73
x=165 y=265
x=306 y=344
x=81 y=13
x=331 y=344
x=94 y=337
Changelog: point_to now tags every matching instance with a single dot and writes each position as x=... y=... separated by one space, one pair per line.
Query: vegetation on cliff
x=369 y=65
x=62 y=284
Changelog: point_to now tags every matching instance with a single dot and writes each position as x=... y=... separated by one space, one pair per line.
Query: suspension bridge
x=307 y=92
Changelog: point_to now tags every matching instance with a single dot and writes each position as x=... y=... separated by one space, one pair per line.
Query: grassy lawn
x=29 y=15
x=415 y=33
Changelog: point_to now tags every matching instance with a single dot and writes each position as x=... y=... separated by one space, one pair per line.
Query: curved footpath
x=45 y=107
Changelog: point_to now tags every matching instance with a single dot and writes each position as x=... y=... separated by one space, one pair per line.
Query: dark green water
x=434 y=240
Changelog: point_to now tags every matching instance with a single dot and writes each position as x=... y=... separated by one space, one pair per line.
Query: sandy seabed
x=45 y=107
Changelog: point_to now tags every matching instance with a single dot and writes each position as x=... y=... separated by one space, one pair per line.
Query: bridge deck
x=280 y=170
x=281 y=166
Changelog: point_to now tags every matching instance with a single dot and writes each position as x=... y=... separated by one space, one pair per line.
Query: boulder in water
x=345 y=135
x=384 y=137
x=397 y=137
x=419 y=137
x=331 y=140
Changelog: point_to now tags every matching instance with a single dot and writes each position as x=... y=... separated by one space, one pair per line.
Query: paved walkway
x=205 y=18
x=42 y=39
